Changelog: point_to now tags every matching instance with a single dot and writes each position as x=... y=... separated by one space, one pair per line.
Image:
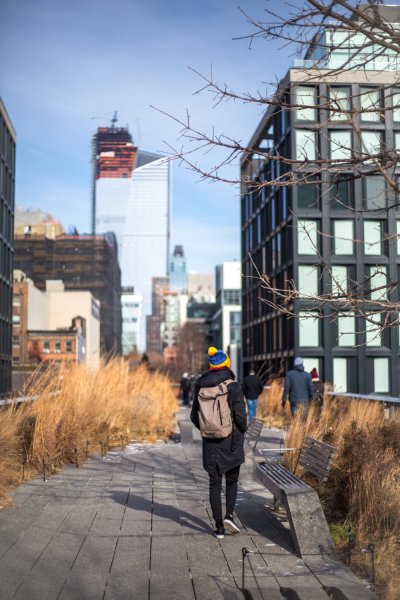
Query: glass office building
x=329 y=231
x=178 y=277
x=131 y=197
x=131 y=309
x=7 y=191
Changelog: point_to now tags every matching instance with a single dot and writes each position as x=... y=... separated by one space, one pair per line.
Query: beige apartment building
x=54 y=324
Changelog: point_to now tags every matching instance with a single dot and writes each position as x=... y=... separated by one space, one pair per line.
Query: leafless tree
x=339 y=39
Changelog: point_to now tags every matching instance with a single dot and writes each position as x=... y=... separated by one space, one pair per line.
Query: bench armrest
x=277 y=449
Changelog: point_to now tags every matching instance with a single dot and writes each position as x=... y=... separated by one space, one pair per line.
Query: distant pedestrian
x=219 y=413
x=252 y=388
x=298 y=388
x=185 y=388
x=192 y=386
x=318 y=388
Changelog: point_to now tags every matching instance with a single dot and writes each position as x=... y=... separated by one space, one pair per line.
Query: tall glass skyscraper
x=131 y=197
x=178 y=279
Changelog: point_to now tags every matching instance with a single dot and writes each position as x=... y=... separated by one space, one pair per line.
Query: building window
x=381 y=375
x=308 y=280
x=396 y=106
x=378 y=282
x=311 y=363
x=371 y=143
x=398 y=237
x=343 y=237
x=308 y=329
x=46 y=345
x=16 y=340
x=16 y=319
x=340 y=374
x=305 y=100
x=373 y=331
x=342 y=192
x=374 y=192
x=232 y=296
x=306 y=144
x=340 y=145
x=16 y=300
x=346 y=330
x=68 y=346
x=372 y=238
x=371 y=104
x=397 y=141
x=235 y=325
x=57 y=346
x=339 y=102
x=307 y=237
x=339 y=280
x=307 y=192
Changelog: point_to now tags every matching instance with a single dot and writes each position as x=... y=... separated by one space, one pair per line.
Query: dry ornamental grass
x=79 y=408
x=363 y=490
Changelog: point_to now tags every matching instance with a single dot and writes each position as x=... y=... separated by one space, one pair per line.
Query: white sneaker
x=231 y=525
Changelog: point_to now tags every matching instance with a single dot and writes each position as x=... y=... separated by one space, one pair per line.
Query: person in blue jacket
x=298 y=388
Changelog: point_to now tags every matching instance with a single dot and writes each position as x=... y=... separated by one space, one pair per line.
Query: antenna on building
x=114 y=120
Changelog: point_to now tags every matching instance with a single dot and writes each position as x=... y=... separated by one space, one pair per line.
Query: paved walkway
x=137 y=525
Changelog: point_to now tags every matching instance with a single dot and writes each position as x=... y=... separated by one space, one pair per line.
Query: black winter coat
x=219 y=456
x=298 y=385
x=252 y=387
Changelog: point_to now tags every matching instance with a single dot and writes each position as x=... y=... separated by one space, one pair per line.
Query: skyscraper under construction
x=131 y=197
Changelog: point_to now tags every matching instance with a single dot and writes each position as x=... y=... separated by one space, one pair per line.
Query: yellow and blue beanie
x=217 y=358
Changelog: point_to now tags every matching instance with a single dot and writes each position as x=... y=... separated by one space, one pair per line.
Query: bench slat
x=320 y=473
x=315 y=462
x=310 y=464
x=325 y=449
x=313 y=454
x=281 y=475
x=314 y=451
x=323 y=452
x=254 y=429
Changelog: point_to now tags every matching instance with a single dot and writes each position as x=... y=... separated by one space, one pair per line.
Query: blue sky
x=66 y=66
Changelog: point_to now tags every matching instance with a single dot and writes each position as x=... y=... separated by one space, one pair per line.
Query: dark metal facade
x=7 y=187
x=273 y=224
x=82 y=262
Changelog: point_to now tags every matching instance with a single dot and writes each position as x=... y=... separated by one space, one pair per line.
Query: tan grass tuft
x=363 y=490
x=76 y=408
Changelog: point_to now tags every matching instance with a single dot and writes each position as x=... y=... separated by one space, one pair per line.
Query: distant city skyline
x=72 y=66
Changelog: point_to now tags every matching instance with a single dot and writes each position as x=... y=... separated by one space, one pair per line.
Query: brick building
x=82 y=263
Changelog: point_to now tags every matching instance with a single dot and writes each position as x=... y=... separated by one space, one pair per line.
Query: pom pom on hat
x=218 y=358
x=314 y=375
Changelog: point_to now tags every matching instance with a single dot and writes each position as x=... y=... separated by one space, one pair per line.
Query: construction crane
x=114 y=120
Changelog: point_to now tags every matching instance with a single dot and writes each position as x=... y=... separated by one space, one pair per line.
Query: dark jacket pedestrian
x=185 y=388
x=223 y=457
x=252 y=388
x=318 y=388
x=298 y=388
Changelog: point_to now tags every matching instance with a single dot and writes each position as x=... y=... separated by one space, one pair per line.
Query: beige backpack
x=215 y=415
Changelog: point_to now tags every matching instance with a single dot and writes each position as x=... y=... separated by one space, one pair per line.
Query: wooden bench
x=307 y=521
x=253 y=432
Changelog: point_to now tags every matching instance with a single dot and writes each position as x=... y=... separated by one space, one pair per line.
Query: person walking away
x=185 y=387
x=318 y=388
x=252 y=388
x=192 y=386
x=298 y=388
x=219 y=412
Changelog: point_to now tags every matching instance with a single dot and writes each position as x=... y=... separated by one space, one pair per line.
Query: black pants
x=231 y=480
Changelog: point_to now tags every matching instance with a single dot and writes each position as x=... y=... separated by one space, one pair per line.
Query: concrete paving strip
x=137 y=525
